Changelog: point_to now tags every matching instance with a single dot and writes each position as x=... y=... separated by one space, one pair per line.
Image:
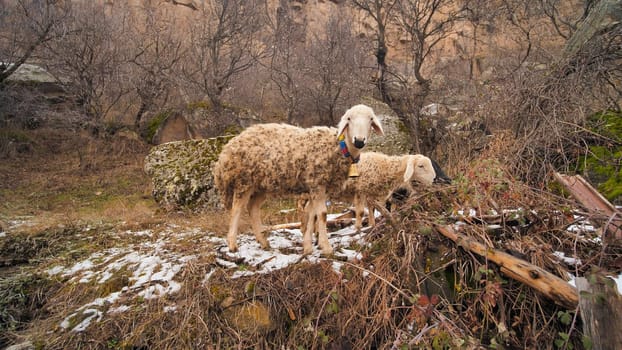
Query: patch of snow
x=337 y=266
x=264 y=261
x=226 y=263
x=89 y=312
x=572 y=280
x=86 y=276
x=581 y=227
x=21 y=222
x=80 y=266
x=55 y=270
x=152 y=270
x=568 y=260
x=349 y=254
x=596 y=240
x=83 y=325
x=152 y=266
x=187 y=258
x=472 y=212
x=284 y=239
x=147 y=233
x=170 y=308
x=119 y=309
x=618 y=281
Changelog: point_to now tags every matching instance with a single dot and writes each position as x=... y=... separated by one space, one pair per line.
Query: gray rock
x=396 y=139
x=181 y=172
x=32 y=73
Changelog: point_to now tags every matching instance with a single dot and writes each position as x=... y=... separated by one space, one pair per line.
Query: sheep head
x=419 y=168
x=356 y=125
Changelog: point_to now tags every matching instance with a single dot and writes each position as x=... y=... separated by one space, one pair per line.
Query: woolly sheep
x=380 y=175
x=399 y=194
x=280 y=159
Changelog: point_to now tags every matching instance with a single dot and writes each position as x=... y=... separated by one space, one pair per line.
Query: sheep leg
x=303 y=212
x=254 y=208
x=371 y=208
x=308 y=228
x=358 y=211
x=239 y=202
x=320 y=215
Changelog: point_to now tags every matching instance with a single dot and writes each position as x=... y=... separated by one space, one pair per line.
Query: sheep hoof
x=328 y=252
x=328 y=255
x=233 y=248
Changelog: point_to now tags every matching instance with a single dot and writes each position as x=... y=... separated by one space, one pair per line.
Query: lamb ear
x=375 y=124
x=343 y=124
x=410 y=168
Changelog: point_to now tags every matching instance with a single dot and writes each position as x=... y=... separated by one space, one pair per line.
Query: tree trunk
x=601 y=311
x=604 y=16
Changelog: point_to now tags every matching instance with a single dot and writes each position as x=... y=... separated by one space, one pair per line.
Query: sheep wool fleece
x=279 y=159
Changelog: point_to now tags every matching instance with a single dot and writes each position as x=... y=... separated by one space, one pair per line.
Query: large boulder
x=396 y=139
x=174 y=127
x=181 y=172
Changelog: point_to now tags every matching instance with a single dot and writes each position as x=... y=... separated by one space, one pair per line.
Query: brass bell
x=353 y=171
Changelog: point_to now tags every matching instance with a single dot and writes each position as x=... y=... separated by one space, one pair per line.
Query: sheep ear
x=375 y=124
x=410 y=169
x=343 y=124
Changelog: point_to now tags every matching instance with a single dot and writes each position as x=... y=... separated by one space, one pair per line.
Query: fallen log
x=345 y=218
x=551 y=286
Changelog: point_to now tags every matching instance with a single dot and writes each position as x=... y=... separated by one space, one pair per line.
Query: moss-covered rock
x=181 y=172
x=603 y=165
x=396 y=139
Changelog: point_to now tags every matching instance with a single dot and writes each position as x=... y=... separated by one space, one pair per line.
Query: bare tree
x=157 y=50
x=89 y=52
x=482 y=16
x=381 y=13
x=547 y=109
x=563 y=25
x=427 y=22
x=224 y=42
x=286 y=65
x=333 y=62
x=24 y=26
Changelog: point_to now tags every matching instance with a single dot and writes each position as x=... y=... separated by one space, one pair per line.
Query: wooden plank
x=551 y=286
x=608 y=216
x=345 y=218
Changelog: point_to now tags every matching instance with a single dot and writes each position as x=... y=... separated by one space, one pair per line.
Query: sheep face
x=419 y=168
x=357 y=123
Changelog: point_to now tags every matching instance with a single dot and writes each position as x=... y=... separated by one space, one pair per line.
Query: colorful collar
x=344 y=148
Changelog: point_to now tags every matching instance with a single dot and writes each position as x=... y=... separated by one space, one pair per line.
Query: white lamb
x=380 y=175
x=280 y=159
